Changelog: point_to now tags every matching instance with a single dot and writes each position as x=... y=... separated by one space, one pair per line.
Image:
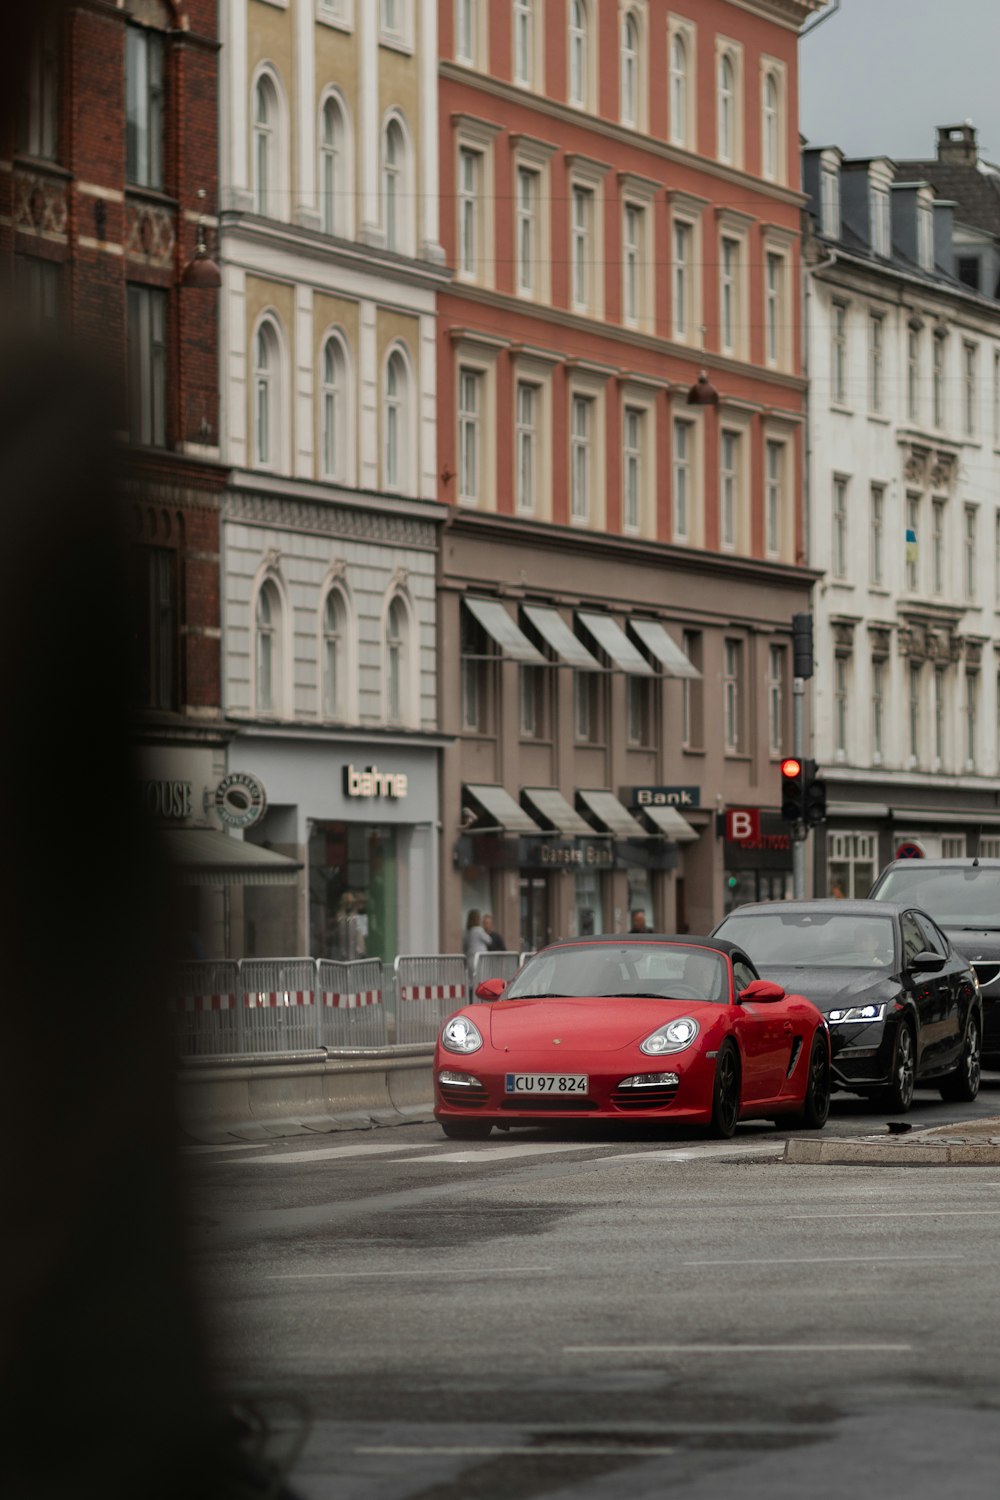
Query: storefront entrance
x=353 y=894
x=534 y=911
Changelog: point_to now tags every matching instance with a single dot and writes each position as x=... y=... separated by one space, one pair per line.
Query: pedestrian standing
x=497 y=944
x=475 y=939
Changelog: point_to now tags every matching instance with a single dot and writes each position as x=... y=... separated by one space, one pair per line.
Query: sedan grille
x=654 y=1097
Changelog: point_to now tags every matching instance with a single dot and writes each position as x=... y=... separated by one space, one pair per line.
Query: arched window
x=630 y=70
x=333 y=175
x=769 y=126
x=578 y=59
x=333 y=410
x=267 y=648
x=396 y=206
x=266 y=395
x=397 y=463
x=678 y=90
x=727 y=107
x=265 y=146
x=335 y=655
x=397 y=661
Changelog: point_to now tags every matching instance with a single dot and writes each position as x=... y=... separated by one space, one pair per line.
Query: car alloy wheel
x=726 y=1092
x=816 y=1105
x=962 y=1086
x=899 y=1095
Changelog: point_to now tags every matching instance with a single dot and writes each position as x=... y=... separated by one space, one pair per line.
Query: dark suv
x=963 y=897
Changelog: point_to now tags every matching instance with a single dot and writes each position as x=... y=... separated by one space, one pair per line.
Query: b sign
x=742 y=823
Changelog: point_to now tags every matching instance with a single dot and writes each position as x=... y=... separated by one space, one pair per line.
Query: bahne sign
x=371 y=783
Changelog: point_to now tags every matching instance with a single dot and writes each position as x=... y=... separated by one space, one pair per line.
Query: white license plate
x=546 y=1083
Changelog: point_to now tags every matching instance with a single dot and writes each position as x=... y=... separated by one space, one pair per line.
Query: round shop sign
x=240 y=799
x=909 y=850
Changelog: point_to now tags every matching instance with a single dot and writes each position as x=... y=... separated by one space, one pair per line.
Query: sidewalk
x=974 y=1145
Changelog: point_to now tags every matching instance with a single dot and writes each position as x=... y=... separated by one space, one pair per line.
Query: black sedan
x=903 y=1007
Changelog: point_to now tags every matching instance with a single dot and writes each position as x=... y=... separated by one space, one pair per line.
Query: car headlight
x=865 y=1014
x=673 y=1037
x=461 y=1035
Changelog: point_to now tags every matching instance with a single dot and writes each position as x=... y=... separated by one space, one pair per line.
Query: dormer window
x=830 y=202
x=878 y=214
x=925 y=235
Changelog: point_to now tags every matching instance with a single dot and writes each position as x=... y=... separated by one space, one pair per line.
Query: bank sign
x=665 y=796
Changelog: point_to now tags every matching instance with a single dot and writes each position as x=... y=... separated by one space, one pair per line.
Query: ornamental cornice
x=349 y=522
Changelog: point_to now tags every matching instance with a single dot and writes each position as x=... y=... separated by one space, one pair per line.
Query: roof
x=976 y=193
x=844 y=908
x=966 y=862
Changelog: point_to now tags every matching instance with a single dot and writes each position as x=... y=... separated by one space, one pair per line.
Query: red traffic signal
x=791 y=768
x=792 y=789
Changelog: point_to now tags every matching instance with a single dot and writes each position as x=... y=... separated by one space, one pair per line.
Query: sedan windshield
x=665 y=971
x=965 y=896
x=812 y=940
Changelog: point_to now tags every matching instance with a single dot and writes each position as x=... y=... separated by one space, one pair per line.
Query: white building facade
x=903 y=509
x=331 y=265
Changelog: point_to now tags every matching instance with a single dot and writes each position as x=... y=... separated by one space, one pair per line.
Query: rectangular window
x=469 y=174
x=682 y=279
x=477 y=676
x=729 y=293
x=840 y=528
x=38 y=106
x=830 y=202
x=773 y=501
x=996 y=556
x=969 y=390
x=774 y=300
x=914 y=676
x=154 y=588
x=841 y=691
x=631 y=267
x=912 y=543
x=465 y=31
x=732 y=694
x=692 y=731
x=524 y=70
x=876 y=327
x=877 y=534
x=632 y=465
x=682 y=481
x=38 y=289
x=532 y=684
x=913 y=374
x=971 y=712
x=937 y=385
x=527 y=230
x=147 y=365
x=925 y=236
x=587 y=706
x=638 y=706
x=144 y=107
x=776 y=658
x=878 y=710
x=971 y=529
x=468 y=435
x=580 y=459
x=937 y=545
x=582 y=238
x=527 y=442
x=939 y=715
x=878 y=208
x=728 y=489
x=838 y=351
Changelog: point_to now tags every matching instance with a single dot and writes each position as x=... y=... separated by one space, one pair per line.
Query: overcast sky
x=880 y=75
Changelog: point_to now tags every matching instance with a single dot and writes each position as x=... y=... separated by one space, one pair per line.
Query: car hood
x=974 y=942
x=598 y=1023
x=831 y=989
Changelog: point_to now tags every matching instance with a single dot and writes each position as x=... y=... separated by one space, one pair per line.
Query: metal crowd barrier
x=429 y=987
x=209 y=1005
x=498 y=964
x=351 y=1009
x=278 y=1001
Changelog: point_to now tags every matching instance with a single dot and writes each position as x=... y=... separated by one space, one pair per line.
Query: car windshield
x=613 y=971
x=965 y=896
x=812 y=940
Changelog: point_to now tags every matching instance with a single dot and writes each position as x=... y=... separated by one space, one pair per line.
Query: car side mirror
x=927 y=963
x=490 y=989
x=761 y=991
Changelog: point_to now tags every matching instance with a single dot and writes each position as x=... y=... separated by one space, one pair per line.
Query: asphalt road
x=590 y=1314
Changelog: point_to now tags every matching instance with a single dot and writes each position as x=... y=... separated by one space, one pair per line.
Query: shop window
x=353 y=891
x=851 y=864
x=589 y=904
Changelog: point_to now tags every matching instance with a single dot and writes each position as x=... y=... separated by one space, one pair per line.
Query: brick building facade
x=106 y=189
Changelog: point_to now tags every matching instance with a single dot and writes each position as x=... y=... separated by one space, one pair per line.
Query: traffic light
x=802 y=645
x=792 y=790
x=813 y=795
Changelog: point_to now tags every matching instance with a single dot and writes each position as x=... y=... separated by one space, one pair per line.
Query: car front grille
x=462 y=1094
x=656 y=1096
x=546 y=1104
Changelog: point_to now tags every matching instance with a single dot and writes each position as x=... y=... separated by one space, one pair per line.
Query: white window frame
x=777 y=670
x=638 y=256
x=838 y=352
x=527 y=44
x=470 y=386
x=734 y=299
x=841 y=527
x=270 y=384
x=878 y=715
x=925 y=231
x=970 y=579
x=471 y=33
x=590 y=509
x=396 y=186
x=683 y=480
x=336 y=13
x=586 y=238
x=632 y=68
x=532 y=157
x=733 y=443
x=971 y=717
x=535 y=374
x=733 y=666
x=395 y=24
x=913 y=373
x=829 y=185
x=939 y=708
x=914 y=727
x=773 y=117
x=336 y=166
x=580 y=55
x=879 y=217
x=939 y=522
x=270 y=585
x=527 y=405
x=729 y=102
x=939 y=362
x=404 y=648
x=475 y=260
x=778 y=320
x=681 y=75
x=475 y=358
x=914 y=520
x=639 y=460
x=876 y=361
x=268 y=146
x=841 y=705
x=776 y=490
x=685 y=274
x=398 y=464
x=876 y=533
x=581 y=459
x=337 y=396
x=970 y=386
x=344 y=707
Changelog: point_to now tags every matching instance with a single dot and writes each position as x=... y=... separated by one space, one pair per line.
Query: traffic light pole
x=799 y=749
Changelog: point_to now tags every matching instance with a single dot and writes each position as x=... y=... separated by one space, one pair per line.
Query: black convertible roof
x=633 y=939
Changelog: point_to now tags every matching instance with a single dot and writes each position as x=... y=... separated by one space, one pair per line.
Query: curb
x=922 y=1152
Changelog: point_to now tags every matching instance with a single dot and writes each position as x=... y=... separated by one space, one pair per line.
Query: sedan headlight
x=461 y=1035
x=673 y=1037
x=864 y=1014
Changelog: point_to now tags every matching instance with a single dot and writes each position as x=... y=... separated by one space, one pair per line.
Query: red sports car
x=677 y=1029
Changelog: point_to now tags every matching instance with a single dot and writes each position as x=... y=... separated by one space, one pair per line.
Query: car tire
x=815 y=1109
x=466 y=1130
x=726 y=1092
x=962 y=1086
x=898 y=1095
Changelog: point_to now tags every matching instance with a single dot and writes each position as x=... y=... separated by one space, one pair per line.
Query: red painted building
x=621 y=208
x=108 y=182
